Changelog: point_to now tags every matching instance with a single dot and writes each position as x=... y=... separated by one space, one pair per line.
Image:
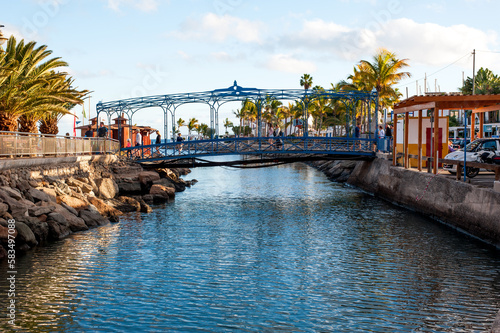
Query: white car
x=474 y=150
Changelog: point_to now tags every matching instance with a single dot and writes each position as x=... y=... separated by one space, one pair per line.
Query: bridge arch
x=216 y=98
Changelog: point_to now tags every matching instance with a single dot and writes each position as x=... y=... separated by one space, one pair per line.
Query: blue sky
x=129 y=48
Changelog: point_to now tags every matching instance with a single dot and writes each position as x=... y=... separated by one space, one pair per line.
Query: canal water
x=279 y=249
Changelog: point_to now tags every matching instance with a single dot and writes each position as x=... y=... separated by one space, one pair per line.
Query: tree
x=181 y=122
x=306 y=81
x=486 y=83
x=382 y=74
x=227 y=124
x=30 y=87
x=192 y=125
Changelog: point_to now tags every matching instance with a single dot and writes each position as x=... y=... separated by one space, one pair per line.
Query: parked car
x=474 y=151
x=459 y=143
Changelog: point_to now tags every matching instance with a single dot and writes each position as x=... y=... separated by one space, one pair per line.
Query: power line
x=439 y=70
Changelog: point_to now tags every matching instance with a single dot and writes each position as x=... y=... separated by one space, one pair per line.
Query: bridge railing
x=253 y=146
x=18 y=144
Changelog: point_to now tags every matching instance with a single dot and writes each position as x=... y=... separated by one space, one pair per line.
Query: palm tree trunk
x=27 y=124
x=49 y=126
x=8 y=122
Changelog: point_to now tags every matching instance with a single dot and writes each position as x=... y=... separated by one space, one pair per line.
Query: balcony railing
x=17 y=145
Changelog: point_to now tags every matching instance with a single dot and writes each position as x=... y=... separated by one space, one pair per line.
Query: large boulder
x=25 y=235
x=41 y=210
x=73 y=222
x=129 y=186
x=92 y=218
x=103 y=208
x=84 y=187
x=40 y=229
x=16 y=208
x=56 y=230
x=73 y=202
x=157 y=189
x=106 y=188
x=127 y=204
x=148 y=177
x=13 y=193
x=43 y=194
x=4 y=208
x=4 y=234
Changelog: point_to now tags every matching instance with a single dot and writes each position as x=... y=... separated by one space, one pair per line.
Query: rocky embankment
x=48 y=203
x=338 y=171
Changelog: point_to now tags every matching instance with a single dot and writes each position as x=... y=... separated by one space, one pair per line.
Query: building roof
x=449 y=101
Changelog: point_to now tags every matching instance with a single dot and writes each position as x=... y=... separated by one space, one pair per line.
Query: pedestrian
x=357 y=134
x=381 y=138
x=388 y=135
x=89 y=133
x=179 y=142
x=138 y=138
x=158 y=142
x=102 y=132
x=129 y=145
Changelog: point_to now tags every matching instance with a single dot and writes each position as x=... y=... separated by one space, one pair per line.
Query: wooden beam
x=394 y=142
x=420 y=140
x=406 y=131
x=481 y=125
x=494 y=107
x=472 y=127
x=436 y=140
x=411 y=108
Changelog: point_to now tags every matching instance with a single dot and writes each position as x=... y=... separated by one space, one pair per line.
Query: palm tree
x=181 y=122
x=192 y=124
x=30 y=85
x=203 y=129
x=240 y=114
x=306 y=81
x=382 y=74
x=227 y=124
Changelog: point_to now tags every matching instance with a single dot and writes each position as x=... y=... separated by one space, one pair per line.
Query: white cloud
x=425 y=43
x=221 y=28
x=142 y=5
x=287 y=63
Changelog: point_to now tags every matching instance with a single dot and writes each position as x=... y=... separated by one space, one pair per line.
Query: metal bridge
x=284 y=148
x=274 y=150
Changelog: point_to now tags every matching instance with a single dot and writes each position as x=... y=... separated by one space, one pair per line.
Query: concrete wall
x=467 y=207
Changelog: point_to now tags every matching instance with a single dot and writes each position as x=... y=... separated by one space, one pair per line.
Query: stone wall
x=51 y=198
x=469 y=208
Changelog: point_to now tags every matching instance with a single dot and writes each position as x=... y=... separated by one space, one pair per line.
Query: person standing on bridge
x=138 y=138
x=158 y=142
x=179 y=142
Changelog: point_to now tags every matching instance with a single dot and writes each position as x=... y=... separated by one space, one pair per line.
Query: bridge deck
x=269 y=149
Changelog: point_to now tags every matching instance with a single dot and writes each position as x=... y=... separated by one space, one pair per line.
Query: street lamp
x=2 y=38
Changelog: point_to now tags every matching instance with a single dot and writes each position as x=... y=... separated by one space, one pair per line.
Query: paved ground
x=484 y=179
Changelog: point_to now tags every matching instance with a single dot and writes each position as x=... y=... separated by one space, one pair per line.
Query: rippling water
x=280 y=249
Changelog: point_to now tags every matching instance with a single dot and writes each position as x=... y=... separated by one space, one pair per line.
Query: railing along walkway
x=253 y=146
x=18 y=144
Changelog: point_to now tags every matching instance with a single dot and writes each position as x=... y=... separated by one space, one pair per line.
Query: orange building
x=120 y=131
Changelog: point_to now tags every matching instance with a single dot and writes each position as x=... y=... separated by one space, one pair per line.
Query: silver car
x=474 y=150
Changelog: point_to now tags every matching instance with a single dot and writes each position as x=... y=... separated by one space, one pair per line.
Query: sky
x=130 y=48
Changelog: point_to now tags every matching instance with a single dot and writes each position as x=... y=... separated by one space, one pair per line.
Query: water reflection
x=278 y=249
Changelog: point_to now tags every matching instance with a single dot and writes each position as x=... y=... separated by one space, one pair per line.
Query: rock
x=23 y=185
x=4 y=234
x=92 y=219
x=39 y=229
x=25 y=235
x=165 y=182
x=84 y=187
x=33 y=183
x=73 y=202
x=13 y=193
x=163 y=191
x=103 y=208
x=73 y=222
x=58 y=218
x=16 y=208
x=40 y=210
x=62 y=188
x=128 y=204
x=145 y=208
x=3 y=253
x=127 y=186
x=43 y=194
x=3 y=208
x=57 y=231
x=148 y=177
x=83 y=180
x=69 y=209
x=148 y=198
x=106 y=188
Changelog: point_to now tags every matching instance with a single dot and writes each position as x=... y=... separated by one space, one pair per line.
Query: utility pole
x=474 y=72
